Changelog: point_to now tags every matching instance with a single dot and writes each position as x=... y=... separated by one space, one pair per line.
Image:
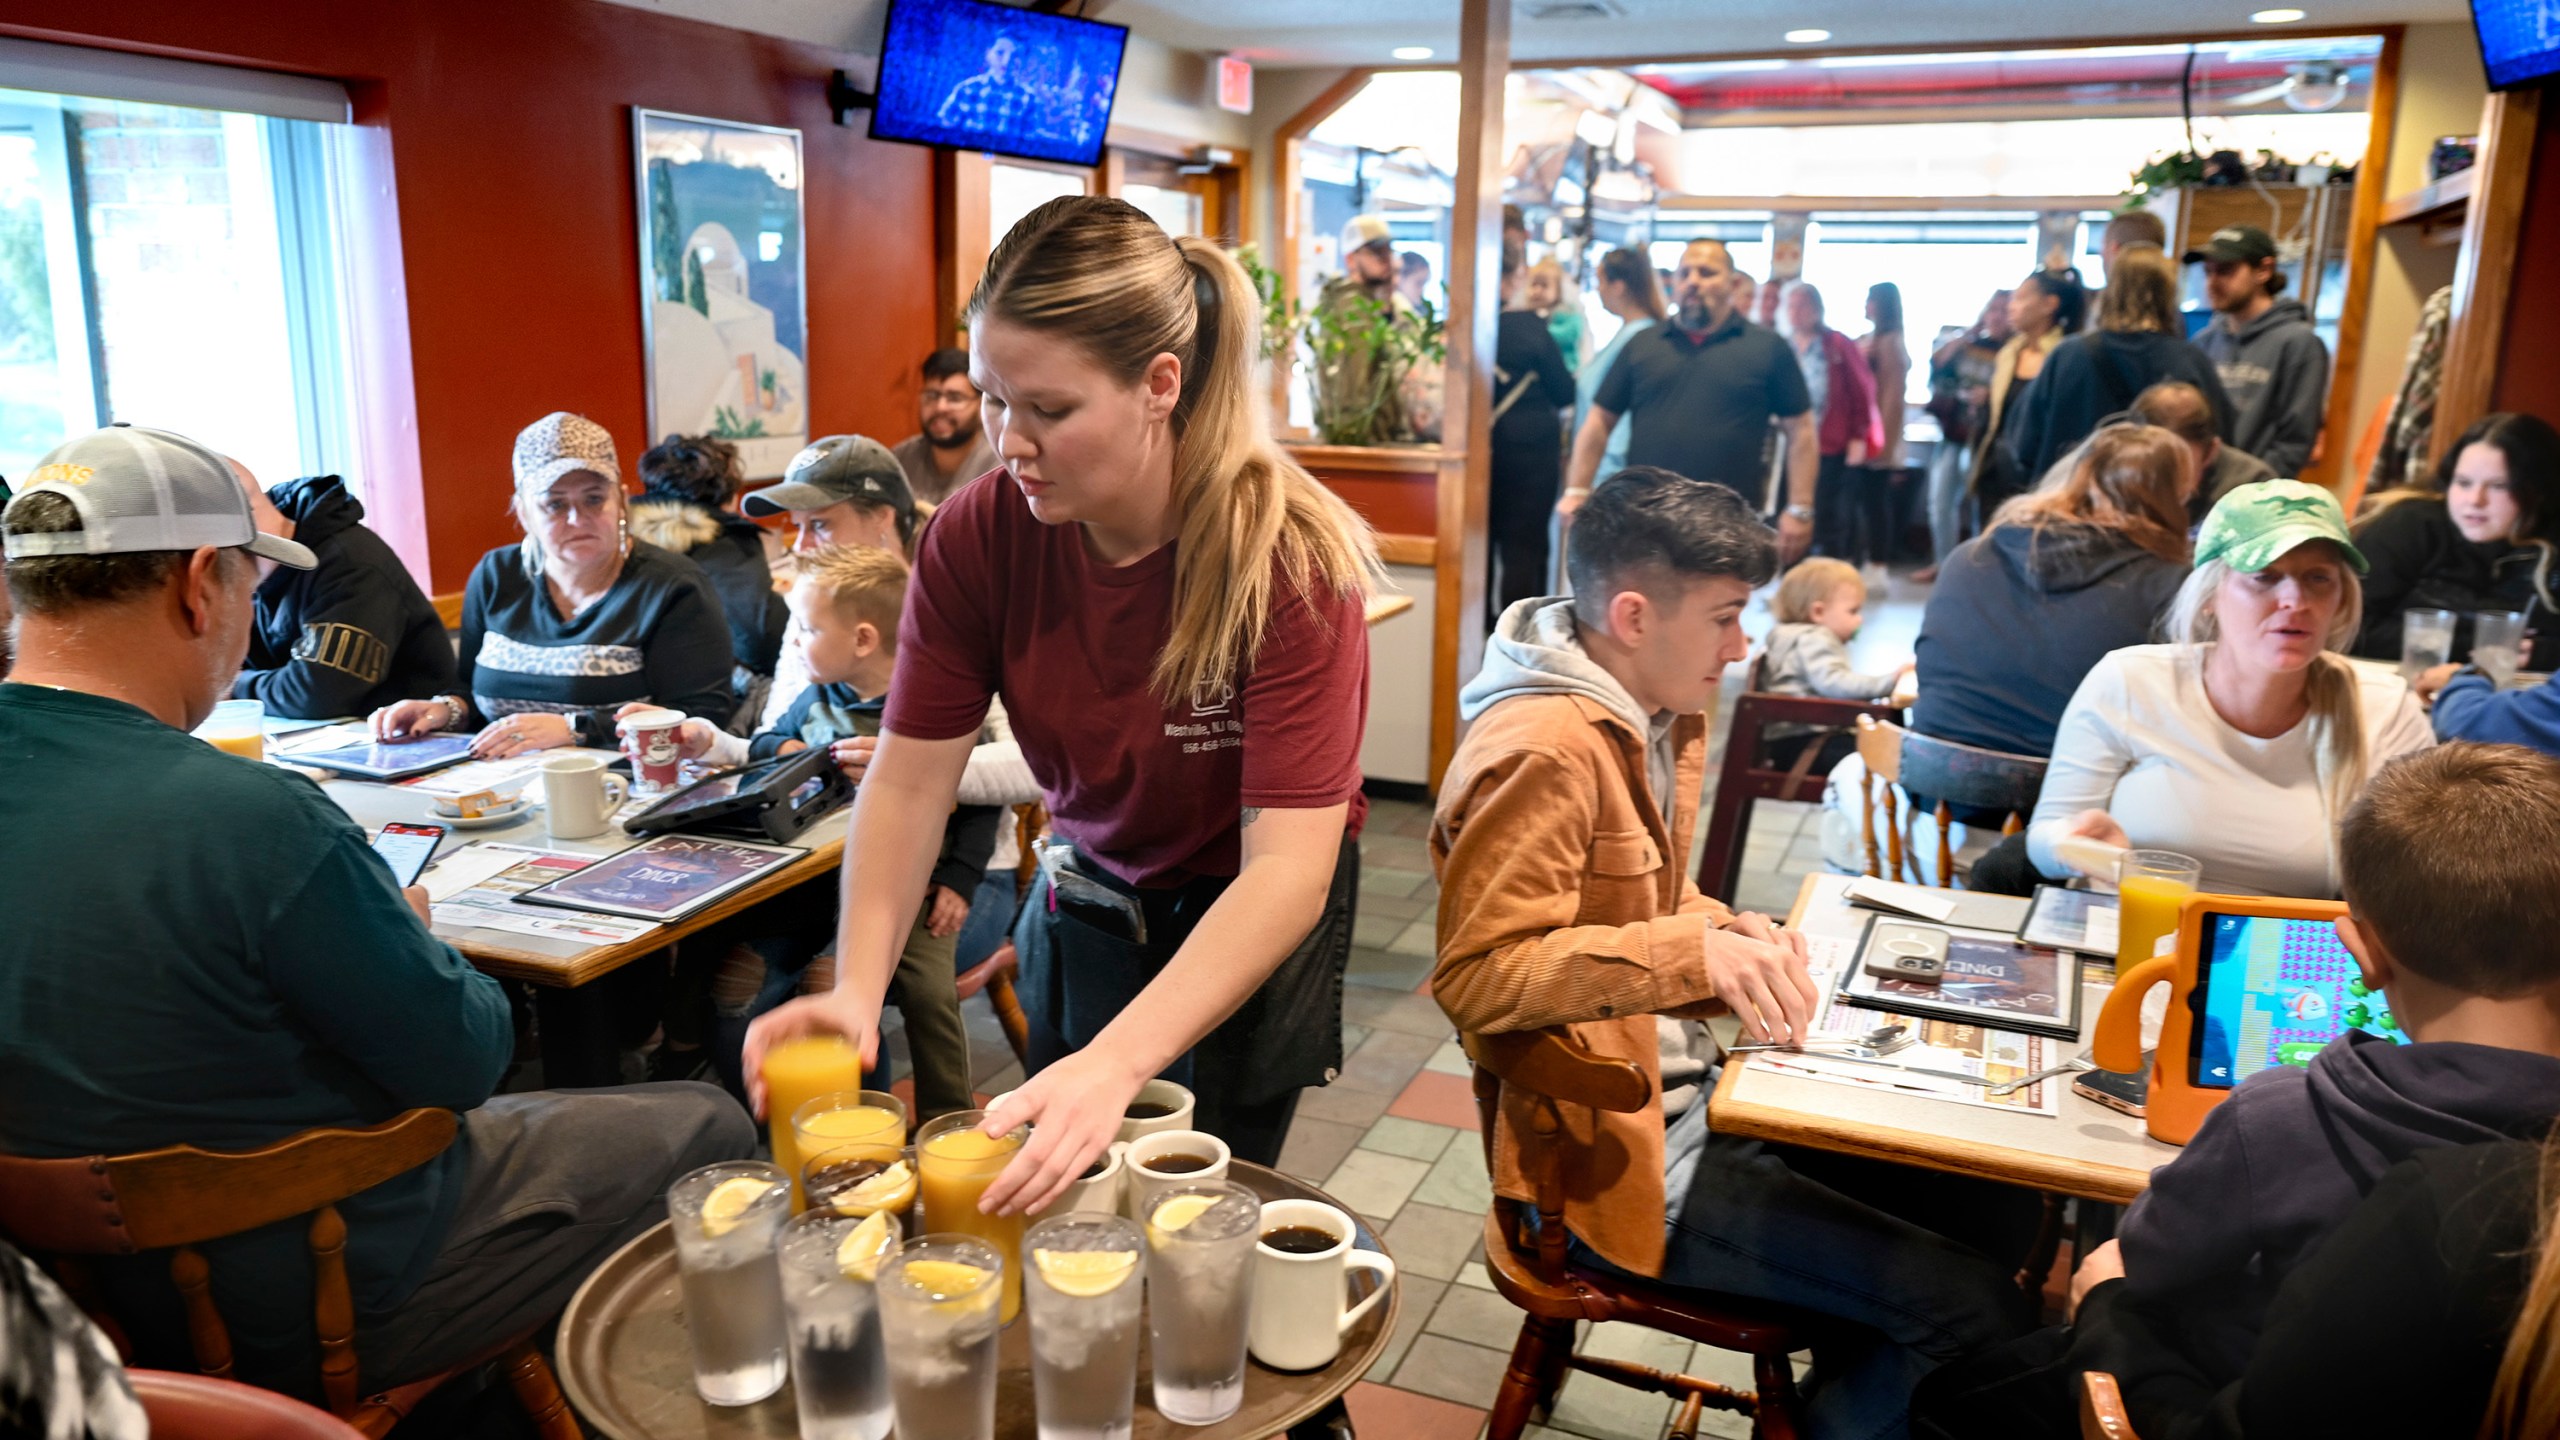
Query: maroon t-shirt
x=1002 y=604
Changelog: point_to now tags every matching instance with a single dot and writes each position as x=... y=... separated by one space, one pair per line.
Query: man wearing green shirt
x=204 y=950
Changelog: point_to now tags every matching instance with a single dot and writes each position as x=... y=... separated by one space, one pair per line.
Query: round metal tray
x=623 y=1358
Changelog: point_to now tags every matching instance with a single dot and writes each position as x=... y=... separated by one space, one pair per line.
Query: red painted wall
x=510 y=138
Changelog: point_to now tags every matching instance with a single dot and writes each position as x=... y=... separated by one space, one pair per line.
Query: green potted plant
x=1358 y=353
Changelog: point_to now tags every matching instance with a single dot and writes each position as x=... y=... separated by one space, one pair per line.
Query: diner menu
x=480 y=884
x=666 y=879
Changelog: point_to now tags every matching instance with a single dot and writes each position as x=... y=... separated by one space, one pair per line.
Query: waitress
x=1173 y=613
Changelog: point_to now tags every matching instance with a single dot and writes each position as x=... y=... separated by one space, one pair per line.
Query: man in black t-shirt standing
x=1703 y=391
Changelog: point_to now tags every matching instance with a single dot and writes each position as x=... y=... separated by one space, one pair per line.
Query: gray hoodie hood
x=2282 y=313
x=1534 y=651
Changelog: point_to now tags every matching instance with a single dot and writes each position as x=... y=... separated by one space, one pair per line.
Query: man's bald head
x=1703 y=288
x=263 y=511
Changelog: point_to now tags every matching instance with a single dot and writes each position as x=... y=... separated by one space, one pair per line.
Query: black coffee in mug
x=1300 y=1240
x=1178 y=1163
x=1148 y=1110
x=1096 y=1168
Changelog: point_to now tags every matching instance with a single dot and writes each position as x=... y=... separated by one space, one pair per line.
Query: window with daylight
x=171 y=265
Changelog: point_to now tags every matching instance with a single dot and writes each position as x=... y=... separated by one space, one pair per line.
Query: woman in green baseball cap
x=2243 y=740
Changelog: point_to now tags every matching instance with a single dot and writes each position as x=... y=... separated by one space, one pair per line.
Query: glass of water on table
x=839 y=1371
x=725 y=1218
x=1200 y=1241
x=941 y=1299
x=1083 y=1283
x=2426 y=641
x=2497 y=644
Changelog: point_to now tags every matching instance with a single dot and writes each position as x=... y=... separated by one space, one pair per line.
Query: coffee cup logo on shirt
x=1206 y=730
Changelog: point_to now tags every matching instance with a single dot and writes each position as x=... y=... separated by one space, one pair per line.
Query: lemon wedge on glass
x=888 y=1190
x=1085 y=1274
x=945 y=1279
x=1180 y=1210
x=728 y=1203
x=864 y=1247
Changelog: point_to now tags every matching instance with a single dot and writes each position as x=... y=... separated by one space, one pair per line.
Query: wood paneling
x=2487 y=276
x=1475 y=264
x=2338 y=423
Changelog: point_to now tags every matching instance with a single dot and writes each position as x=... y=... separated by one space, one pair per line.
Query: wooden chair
x=2102 y=1414
x=994 y=975
x=1952 y=773
x=1748 y=778
x=1544 y=1070
x=178 y=1197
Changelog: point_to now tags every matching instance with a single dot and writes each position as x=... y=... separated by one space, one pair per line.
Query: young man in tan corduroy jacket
x=1561 y=843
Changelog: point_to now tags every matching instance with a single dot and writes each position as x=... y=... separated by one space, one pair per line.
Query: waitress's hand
x=522 y=734
x=837 y=1012
x=1075 y=1107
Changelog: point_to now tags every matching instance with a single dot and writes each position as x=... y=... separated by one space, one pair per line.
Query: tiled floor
x=1396 y=1137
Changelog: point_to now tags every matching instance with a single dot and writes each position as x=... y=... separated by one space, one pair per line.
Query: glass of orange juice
x=238 y=726
x=796 y=1072
x=955 y=1162
x=2151 y=886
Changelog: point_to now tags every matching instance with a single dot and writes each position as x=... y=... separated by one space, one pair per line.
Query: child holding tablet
x=2451 y=864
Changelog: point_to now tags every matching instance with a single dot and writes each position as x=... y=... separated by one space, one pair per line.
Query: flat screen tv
x=980 y=76
x=2519 y=40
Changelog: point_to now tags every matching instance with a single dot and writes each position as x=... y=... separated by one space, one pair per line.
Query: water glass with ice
x=1082 y=1278
x=725 y=1218
x=2497 y=644
x=1200 y=1241
x=940 y=1303
x=839 y=1372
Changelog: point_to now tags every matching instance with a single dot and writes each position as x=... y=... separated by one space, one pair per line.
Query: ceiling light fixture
x=1807 y=37
x=2274 y=17
x=1411 y=52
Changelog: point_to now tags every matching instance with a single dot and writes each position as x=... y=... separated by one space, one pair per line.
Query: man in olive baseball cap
x=2262 y=345
x=843 y=490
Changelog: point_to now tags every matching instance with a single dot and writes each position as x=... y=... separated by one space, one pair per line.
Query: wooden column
x=2484 y=278
x=961 y=241
x=2340 y=425
x=1475 y=279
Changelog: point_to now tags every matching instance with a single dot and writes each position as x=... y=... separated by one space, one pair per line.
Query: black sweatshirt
x=2090 y=377
x=2394 y=1328
x=658 y=635
x=730 y=551
x=2421 y=562
x=353 y=634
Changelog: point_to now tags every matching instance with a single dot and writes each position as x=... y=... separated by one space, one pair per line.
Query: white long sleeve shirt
x=2142 y=742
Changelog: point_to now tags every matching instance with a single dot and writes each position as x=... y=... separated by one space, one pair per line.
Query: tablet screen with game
x=390 y=762
x=2274 y=990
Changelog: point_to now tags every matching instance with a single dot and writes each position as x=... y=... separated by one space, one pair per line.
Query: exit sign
x=1235 y=85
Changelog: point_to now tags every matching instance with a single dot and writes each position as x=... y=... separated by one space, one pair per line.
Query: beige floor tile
x=1478 y=1317
x=1451 y=1370
x=1315 y=1147
x=1473 y=1273
x=1414 y=1139
x=1432 y=1242
x=1593 y=1407
x=1458 y=1179
x=1418 y=1299
x=1450 y=1059
x=1375 y=1184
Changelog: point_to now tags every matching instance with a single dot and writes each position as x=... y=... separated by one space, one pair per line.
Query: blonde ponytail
x=1100 y=273
x=2524 y=1401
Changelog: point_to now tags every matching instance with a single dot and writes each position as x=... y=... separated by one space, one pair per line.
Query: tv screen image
x=2519 y=39
x=981 y=76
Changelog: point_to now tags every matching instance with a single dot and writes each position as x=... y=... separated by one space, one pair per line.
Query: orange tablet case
x=2177 y=1105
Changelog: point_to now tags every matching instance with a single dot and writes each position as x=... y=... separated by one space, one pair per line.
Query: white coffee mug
x=1158 y=1092
x=1098 y=1192
x=1300 y=1307
x=1146 y=1183
x=580 y=796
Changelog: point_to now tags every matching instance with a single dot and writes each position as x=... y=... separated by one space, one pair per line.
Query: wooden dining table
x=574 y=1025
x=627 y=1367
x=2086 y=1150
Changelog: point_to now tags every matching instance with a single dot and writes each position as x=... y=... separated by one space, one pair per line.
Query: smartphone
x=2128 y=1091
x=407 y=849
x=1917 y=953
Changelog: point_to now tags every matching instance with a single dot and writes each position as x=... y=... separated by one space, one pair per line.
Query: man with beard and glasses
x=1703 y=391
x=950 y=449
